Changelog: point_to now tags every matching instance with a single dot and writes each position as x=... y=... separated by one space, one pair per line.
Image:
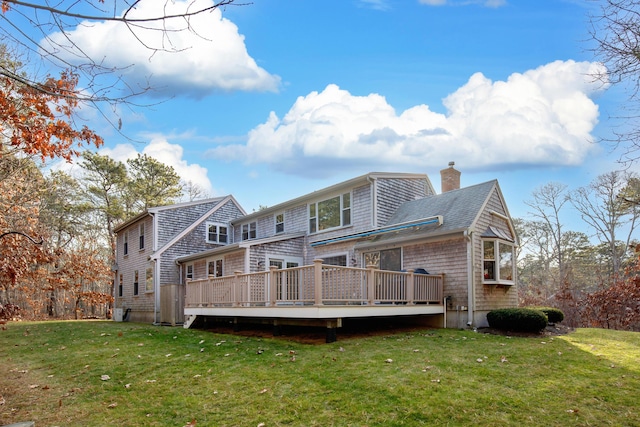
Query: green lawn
x=55 y=373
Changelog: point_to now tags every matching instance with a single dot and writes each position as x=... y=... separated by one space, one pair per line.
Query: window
x=189 y=272
x=280 y=223
x=120 y=285
x=148 y=285
x=340 y=260
x=141 y=245
x=217 y=233
x=125 y=239
x=249 y=230
x=214 y=268
x=497 y=259
x=331 y=213
x=135 y=283
x=388 y=259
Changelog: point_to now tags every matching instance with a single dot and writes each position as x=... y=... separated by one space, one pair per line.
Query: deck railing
x=316 y=284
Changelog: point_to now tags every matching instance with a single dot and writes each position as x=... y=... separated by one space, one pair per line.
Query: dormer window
x=330 y=213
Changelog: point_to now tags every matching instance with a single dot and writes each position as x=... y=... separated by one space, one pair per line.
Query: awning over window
x=493 y=232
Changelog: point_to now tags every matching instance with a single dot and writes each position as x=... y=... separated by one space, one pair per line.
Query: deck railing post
x=273 y=284
x=317 y=281
x=410 y=287
x=235 y=288
x=371 y=283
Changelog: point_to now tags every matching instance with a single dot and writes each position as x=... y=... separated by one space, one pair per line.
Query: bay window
x=498 y=261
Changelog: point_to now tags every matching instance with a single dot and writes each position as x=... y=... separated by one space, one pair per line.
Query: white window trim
x=125 y=243
x=217 y=225
x=141 y=237
x=342 y=210
x=497 y=280
x=275 y=220
x=248 y=224
x=214 y=260
x=186 y=271
x=284 y=258
x=136 y=284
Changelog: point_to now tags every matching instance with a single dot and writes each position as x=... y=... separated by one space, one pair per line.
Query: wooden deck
x=315 y=293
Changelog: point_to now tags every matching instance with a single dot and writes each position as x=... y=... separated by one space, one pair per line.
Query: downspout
x=470 y=276
x=374 y=201
x=156 y=284
x=156 y=271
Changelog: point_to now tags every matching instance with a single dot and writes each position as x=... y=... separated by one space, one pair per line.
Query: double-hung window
x=330 y=213
x=498 y=260
x=217 y=233
x=249 y=231
x=189 y=272
x=125 y=240
x=141 y=239
x=280 y=223
x=136 y=283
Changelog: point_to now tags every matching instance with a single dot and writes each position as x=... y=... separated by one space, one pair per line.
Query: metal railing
x=315 y=285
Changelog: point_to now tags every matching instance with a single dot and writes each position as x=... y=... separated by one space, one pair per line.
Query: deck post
x=410 y=287
x=273 y=285
x=371 y=283
x=234 y=291
x=317 y=281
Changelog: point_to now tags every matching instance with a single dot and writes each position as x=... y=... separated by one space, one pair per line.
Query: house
x=355 y=249
x=148 y=245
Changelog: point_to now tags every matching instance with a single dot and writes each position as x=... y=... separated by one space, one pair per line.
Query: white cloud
x=541 y=117
x=169 y=154
x=209 y=56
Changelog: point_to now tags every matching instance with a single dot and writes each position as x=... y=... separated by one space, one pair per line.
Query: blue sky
x=281 y=98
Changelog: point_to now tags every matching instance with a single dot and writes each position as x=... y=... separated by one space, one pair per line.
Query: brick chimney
x=450 y=178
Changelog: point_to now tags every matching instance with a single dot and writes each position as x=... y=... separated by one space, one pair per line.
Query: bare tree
x=616 y=30
x=25 y=24
x=192 y=191
x=547 y=204
x=608 y=214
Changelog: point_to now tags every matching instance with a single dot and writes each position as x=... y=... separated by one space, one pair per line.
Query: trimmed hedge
x=554 y=315
x=517 y=319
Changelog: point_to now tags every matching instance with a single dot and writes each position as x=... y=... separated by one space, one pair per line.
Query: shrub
x=517 y=319
x=554 y=315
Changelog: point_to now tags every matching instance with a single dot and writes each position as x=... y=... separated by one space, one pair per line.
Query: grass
x=51 y=373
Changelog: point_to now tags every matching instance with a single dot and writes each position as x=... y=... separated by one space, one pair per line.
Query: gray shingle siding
x=174 y=221
x=393 y=192
x=194 y=241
